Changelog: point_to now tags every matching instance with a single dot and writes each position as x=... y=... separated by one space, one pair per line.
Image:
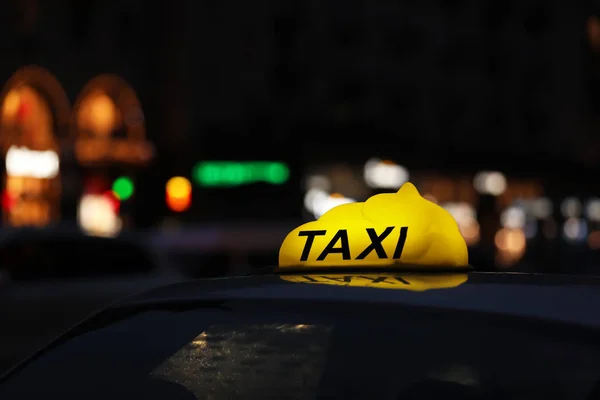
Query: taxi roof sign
x=390 y=229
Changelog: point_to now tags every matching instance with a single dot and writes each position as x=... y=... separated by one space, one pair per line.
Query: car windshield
x=356 y=351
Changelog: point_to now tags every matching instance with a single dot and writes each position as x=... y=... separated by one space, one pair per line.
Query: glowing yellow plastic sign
x=412 y=282
x=385 y=230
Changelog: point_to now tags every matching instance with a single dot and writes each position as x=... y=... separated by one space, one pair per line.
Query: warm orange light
x=179 y=193
x=510 y=240
x=103 y=114
x=511 y=245
x=178 y=204
x=11 y=104
x=98 y=114
x=470 y=232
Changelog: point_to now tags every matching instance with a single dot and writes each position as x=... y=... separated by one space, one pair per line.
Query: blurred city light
x=113 y=200
x=541 y=208
x=97 y=215
x=11 y=104
x=236 y=173
x=318 y=201
x=178 y=194
x=470 y=232
x=575 y=229
x=592 y=209
x=462 y=212
x=318 y=182
x=123 y=188
x=33 y=108
x=513 y=217
x=98 y=114
x=466 y=219
x=321 y=204
x=21 y=161
x=490 y=183
x=380 y=174
x=571 y=207
x=511 y=244
x=108 y=124
x=8 y=200
x=314 y=197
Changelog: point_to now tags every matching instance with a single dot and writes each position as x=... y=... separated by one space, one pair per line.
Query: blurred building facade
x=60 y=56
x=434 y=85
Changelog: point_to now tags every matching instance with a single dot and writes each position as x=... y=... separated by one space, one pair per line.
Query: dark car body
x=500 y=336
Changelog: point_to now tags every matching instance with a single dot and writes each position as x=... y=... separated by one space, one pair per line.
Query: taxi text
x=343 y=248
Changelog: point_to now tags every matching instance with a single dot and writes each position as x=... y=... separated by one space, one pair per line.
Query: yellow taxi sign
x=387 y=229
x=412 y=282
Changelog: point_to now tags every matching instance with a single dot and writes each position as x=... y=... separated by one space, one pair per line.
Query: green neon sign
x=237 y=173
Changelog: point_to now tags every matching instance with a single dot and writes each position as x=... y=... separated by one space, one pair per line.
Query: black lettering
x=376 y=243
x=310 y=239
x=401 y=241
x=344 y=279
x=400 y=279
x=344 y=249
x=379 y=279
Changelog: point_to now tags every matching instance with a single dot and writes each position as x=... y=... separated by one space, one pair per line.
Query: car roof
x=569 y=299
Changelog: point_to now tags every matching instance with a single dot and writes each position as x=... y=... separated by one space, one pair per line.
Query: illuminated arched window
x=98 y=115
x=34 y=116
x=35 y=111
x=108 y=123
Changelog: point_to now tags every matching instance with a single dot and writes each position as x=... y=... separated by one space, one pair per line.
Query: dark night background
x=443 y=88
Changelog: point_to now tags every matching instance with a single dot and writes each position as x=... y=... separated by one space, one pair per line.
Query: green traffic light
x=236 y=173
x=123 y=188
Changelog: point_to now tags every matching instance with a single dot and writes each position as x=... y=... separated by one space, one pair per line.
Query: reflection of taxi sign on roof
x=385 y=230
x=412 y=282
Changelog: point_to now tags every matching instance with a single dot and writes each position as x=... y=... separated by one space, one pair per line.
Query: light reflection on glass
x=231 y=361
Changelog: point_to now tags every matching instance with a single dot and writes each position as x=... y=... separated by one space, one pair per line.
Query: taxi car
x=351 y=315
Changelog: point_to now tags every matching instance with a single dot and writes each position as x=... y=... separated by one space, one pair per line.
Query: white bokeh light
x=21 y=161
x=96 y=216
x=384 y=174
x=490 y=182
x=571 y=207
x=513 y=218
